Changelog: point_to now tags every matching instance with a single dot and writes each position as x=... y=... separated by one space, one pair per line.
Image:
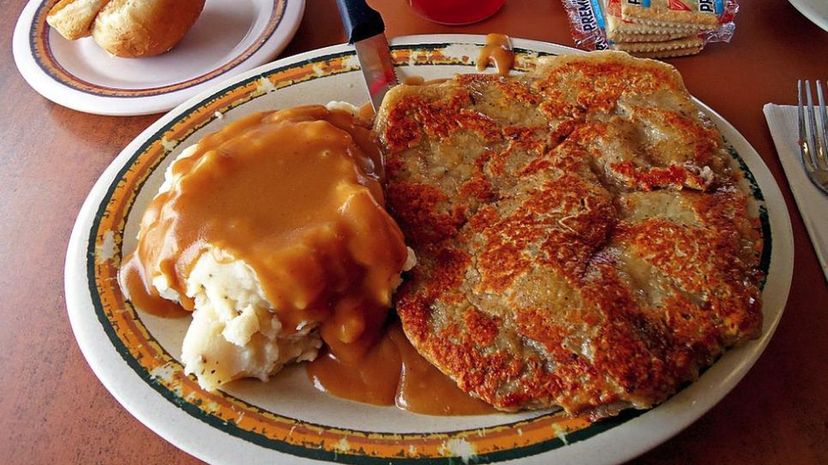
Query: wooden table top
x=54 y=410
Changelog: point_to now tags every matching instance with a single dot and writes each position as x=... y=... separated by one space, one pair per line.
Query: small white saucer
x=230 y=36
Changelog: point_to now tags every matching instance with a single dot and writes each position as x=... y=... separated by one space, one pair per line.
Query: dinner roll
x=140 y=28
x=73 y=18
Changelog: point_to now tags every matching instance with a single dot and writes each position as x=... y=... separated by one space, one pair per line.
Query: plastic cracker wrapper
x=651 y=28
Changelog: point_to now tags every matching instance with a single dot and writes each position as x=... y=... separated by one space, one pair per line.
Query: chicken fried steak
x=583 y=240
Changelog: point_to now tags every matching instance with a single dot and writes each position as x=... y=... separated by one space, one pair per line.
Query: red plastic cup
x=456 y=12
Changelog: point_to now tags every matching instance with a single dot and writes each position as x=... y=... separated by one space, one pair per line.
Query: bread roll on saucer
x=127 y=28
x=73 y=18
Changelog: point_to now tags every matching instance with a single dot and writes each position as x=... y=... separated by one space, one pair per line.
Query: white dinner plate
x=230 y=36
x=286 y=420
x=815 y=10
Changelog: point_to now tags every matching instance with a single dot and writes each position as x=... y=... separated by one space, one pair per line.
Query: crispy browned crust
x=582 y=239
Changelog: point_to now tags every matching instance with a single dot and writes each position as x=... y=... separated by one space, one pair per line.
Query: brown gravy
x=132 y=281
x=393 y=373
x=304 y=210
x=308 y=217
x=498 y=48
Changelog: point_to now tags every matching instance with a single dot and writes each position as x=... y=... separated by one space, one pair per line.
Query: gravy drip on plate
x=498 y=48
x=392 y=372
x=296 y=195
x=132 y=278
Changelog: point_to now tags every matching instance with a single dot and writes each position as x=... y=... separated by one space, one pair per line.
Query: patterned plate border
x=234 y=416
x=45 y=59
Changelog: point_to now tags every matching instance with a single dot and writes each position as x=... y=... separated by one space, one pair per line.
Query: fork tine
x=804 y=145
x=812 y=137
x=821 y=132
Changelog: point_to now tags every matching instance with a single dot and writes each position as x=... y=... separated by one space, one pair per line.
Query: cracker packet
x=651 y=28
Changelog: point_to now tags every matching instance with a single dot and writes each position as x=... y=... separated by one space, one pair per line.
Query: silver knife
x=366 y=31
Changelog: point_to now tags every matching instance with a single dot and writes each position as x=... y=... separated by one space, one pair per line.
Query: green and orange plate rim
x=156 y=367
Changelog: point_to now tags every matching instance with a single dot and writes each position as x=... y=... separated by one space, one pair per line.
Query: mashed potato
x=238 y=330
x=234 y=333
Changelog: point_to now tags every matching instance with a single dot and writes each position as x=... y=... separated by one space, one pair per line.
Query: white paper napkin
x=812 y=203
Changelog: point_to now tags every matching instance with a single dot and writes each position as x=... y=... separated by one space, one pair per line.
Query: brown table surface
x=54 y=410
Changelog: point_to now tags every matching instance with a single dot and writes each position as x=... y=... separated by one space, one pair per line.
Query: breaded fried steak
x=583 y=240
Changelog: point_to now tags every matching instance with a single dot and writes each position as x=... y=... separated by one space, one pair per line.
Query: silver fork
x=813 y=138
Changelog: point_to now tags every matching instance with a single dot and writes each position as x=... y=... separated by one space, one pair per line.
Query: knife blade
x=366 y=30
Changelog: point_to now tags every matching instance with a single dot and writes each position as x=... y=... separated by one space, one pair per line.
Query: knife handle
x=360 y=20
